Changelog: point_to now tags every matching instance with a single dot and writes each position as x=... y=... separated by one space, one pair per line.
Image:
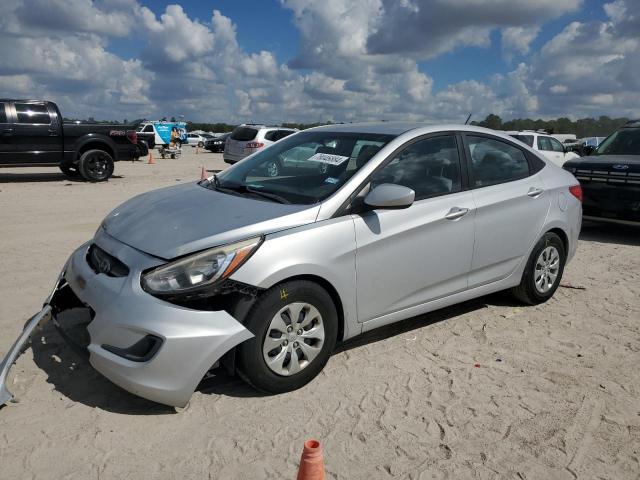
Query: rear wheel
x=543 y=272
x=295 y=326
x=95 y=165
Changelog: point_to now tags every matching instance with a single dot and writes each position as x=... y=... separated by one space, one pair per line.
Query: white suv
x=247 y=139
x=548 y=146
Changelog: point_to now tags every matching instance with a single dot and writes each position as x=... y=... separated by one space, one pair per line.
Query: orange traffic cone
x=203 y=174
x=311 y=462
x=151 y=160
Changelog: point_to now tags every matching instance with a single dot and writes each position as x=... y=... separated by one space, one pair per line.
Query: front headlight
x=200 y=270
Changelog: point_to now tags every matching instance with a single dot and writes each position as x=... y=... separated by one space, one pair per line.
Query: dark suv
x=610 y=177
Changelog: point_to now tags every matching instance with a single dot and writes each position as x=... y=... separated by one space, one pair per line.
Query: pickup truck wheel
x=95 y=165
x=69 y=171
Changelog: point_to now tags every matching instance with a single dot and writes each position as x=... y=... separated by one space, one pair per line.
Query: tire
x=273 y=169
x=200 y=144
x=95 y=165
x=528 y=291
x=69 y=170
x=282 y=376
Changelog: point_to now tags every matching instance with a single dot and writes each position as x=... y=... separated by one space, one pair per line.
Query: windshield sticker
x=331 y=180
x=328 y=158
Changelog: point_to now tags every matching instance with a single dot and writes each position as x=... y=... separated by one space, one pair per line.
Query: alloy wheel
x=547 y=268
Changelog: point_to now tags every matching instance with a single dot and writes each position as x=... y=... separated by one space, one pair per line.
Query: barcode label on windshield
x=328 y=158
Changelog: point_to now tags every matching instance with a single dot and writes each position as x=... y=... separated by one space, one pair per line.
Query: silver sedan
x=262 y=274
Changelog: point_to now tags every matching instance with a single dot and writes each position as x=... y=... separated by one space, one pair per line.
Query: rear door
x=511 y=204
x=37 y=135
x=408 y=257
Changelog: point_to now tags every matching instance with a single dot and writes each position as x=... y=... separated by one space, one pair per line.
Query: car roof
x=398 y=128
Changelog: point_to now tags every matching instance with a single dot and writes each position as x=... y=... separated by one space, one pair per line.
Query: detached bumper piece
x=34 y=323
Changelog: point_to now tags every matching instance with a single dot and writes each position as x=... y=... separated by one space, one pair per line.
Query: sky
x=274 y=61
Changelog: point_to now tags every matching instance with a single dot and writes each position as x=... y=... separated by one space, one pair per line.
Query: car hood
x=174 y=221
x=606 y=162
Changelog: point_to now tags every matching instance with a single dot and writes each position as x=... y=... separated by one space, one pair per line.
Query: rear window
x=244 y=134
x=32 y=113
x=528 y=139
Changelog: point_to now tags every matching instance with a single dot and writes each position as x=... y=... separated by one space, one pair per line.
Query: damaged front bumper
x=149 y=347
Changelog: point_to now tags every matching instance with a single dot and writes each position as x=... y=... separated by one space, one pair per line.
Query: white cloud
x=357 y=60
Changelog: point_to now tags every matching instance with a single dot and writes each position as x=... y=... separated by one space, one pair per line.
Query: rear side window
x=148 y=128
x=271 y=135
x=284 y=133
x=528 y=139
x=3 y=114
x=244 y=134
x=494 y=161
x=32 y=113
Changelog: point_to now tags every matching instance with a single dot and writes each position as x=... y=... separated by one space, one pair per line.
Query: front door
x=411 y=256
x=37 y=134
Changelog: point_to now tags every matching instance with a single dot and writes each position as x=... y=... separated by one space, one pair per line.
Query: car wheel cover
x=546 y=269
x=294 y=338
x=97 y=165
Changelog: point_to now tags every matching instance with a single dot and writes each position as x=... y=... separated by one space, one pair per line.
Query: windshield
x=622 y=142
x=304 y=168
x=528 y=139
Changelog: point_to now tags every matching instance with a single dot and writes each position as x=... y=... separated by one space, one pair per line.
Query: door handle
x=53 y=132
x=7 y=131
x=535 y=192
x=456 y=213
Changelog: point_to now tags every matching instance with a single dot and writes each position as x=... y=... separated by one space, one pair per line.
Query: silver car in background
x=247 y=139
x=263 y=274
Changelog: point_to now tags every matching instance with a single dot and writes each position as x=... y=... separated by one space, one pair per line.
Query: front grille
x=605 y=176
x=102 y=262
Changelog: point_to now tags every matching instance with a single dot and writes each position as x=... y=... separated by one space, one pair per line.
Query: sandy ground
x=556 y=394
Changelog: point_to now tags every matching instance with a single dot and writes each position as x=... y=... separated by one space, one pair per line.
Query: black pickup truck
x=610 y=177
x=32 y=134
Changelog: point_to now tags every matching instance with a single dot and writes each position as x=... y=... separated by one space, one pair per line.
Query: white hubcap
x=294 y=338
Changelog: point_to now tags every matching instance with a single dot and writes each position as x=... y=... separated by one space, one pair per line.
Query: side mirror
x=588 y=150
x=389 y=195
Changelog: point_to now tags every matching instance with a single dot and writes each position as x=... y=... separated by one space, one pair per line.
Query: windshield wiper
x=266 y=194
x=246 y=189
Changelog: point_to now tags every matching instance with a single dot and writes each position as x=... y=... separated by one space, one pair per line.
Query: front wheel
x=543 y=271
x=95 y=165
x=295 y=325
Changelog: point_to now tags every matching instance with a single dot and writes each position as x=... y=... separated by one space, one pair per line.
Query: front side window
x=544 y=144
x=430 y=167
x=494 y=161
x=32 y=113
x=556 y=146
x=304 y=168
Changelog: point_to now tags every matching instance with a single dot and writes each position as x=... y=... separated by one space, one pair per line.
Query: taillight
x=576 y=191
x=254 y=145
x=132 y=135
